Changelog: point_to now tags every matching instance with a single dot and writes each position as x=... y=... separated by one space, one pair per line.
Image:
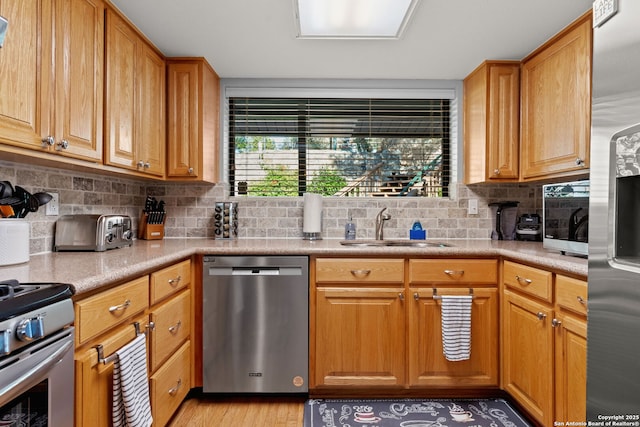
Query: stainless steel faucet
x=380 y=219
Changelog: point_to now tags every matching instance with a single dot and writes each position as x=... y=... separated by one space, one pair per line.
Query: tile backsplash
x=190 y=207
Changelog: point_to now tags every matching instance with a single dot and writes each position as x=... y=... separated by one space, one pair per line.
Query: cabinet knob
x=190 y=171
x=579 y=162
x=416 y=296
x=541 y=315
x=62 y=145
x=140 y=164
x=48 y=141
x=496 y=171
x=401 y=296
x=555 y=323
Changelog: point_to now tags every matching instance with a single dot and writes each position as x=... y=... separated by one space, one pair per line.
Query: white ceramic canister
x=14 y=241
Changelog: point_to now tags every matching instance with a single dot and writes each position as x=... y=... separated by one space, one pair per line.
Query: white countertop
x=87 y=271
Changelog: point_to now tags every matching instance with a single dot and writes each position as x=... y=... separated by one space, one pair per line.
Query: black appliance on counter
x=504 y=216
x=36 y=353
x=529 y=228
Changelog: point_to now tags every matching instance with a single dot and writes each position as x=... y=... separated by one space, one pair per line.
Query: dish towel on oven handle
x=456 y=327
x=131 y=405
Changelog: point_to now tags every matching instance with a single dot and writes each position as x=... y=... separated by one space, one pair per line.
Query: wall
x=190 y=207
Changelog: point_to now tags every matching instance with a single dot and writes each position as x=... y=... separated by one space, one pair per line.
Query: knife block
x=148 y=231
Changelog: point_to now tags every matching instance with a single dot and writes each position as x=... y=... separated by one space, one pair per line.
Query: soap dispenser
x=350 y=230
x=416 y=232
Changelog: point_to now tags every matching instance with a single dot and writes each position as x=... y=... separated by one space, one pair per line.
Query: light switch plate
x=603 y=10
x=53 y=207
x=472 y=208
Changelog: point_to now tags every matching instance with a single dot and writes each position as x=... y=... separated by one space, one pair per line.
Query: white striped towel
x=456 y=327
x=131 y=406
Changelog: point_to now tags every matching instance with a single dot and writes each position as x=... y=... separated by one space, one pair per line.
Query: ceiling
x=446 y=39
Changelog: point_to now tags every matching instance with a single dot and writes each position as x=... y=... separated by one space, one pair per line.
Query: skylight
x=362 y=19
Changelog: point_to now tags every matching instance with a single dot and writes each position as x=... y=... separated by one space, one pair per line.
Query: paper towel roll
x=312 y=221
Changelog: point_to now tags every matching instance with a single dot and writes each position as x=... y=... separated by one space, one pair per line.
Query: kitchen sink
x=402 y=243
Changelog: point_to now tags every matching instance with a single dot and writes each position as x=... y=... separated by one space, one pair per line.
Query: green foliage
x=326 y=182
x=280 y=181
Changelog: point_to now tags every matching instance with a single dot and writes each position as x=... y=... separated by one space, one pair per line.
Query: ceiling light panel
x=352 y=18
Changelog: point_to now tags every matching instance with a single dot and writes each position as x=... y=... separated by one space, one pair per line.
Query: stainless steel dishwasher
x=255 y=324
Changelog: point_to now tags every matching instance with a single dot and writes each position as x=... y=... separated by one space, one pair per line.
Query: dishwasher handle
x=255 y=271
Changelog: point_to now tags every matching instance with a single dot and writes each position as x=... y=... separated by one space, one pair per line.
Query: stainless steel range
x=36 y=354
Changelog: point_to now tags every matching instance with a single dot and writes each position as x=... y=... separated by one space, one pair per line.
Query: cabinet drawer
x=529 y=280
x=571 y=294
x=359 y=270
x=448 y=271
x=101 y=312
x=170 y=280
x=170 y=385
x=171 y=327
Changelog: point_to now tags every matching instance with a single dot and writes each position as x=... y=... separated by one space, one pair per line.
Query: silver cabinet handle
x=523 y=281
x=174 y=390
x=360 y=273
x=541 y=315
x=48 y=141
x=454 y=272
x=150 y=327
x=579 y=162
x=555 y=323
x=582 y=300
x=147 y=165
x=140 y=164
x=496 y=171
x=190 y=171
x=175 y=281
x=416 y=296
x=401 y=296
x=174 y=329
x=122 y=306
x=62 y=145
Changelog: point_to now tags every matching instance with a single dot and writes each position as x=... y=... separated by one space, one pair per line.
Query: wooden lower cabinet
x=94 y=380
x=107 y=319
x=527 y=354
x=360 y=338
x=427 y=363
x=544 y=343
x=376 y=324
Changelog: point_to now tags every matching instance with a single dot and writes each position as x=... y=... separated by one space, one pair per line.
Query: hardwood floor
x=273 y=411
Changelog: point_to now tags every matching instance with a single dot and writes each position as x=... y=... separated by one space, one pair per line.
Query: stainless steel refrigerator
x=613 y=334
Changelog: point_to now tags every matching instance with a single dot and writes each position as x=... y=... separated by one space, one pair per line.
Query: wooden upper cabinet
x=51 y=77
x=193 y=122
x=135 y=105
x=491 y=122
x=556 y=104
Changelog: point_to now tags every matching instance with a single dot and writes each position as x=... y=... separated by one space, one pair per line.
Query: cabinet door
x=79 y=53
x=556 y=104
x=527 y=355
x=94 y=380
x=571 y=369
x=20 y=93
x=184 y=113
x=120 y=123
x=360 y=337
x=151 y=113
x=491 y=122
x=427 y=364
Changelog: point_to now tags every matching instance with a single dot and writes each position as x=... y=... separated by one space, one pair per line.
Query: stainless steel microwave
x=565 y=217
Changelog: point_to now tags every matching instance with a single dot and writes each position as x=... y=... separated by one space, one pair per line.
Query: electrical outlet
x=472 y=207
x=53 y=207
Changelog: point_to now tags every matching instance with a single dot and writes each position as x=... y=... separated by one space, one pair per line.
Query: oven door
x=36 y=383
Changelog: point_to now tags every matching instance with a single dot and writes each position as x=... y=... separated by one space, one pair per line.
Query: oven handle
x=36 y=370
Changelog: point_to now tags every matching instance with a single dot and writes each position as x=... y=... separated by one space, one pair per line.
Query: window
x=338 y=147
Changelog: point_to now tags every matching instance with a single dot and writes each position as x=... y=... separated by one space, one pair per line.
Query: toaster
x=90 y=232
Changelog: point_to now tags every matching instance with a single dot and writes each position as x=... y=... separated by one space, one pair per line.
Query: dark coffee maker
x=504 y=216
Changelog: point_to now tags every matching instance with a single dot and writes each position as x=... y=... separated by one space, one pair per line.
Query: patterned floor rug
x=411 y=413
